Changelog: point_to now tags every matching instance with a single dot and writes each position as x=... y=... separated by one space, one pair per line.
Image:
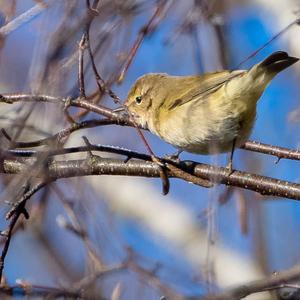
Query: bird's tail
x=260 y=75
x=277 y=62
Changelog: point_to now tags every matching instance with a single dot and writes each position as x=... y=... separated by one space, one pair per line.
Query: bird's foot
x=229 y=168
x=173 y=157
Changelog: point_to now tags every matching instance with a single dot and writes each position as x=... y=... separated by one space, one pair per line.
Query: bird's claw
x=229 y=168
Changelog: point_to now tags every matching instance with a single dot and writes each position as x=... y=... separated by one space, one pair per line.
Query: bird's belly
x=206 y=131
x=215 y=142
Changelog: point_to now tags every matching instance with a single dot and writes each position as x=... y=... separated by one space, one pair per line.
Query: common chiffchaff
x=205 y=114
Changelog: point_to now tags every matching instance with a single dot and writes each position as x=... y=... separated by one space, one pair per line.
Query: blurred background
x=194 y=240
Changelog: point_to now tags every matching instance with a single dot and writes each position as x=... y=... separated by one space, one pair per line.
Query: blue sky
x=245 y=32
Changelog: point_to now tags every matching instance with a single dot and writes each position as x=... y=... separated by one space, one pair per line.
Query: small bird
x=205 y=114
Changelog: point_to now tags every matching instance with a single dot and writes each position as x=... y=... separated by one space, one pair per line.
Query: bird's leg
x=174 y=156
x=230 y=159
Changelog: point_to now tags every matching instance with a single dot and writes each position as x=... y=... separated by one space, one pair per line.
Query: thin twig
x=271 y=282
x=17 y=210
x=36 y=291
x=22 y=19
x=179 y=173
x=99 y=80
x=285 y=29
x=145 y=30
x=279 y=152
x=21 y=203
x=81 y=46
x=77 y=228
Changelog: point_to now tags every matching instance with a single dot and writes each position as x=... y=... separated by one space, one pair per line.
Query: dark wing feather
x=207 y=84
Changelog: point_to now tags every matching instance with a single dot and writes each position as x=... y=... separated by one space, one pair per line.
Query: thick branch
x=107 y=166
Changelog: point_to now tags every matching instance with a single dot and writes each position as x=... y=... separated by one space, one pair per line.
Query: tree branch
x=107 y=166
x=279 y=152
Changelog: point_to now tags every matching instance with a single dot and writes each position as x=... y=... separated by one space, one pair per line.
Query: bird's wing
x=208 y=83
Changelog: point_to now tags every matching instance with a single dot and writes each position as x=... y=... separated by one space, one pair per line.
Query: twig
x=100 y=82
x=17 y=210
x=285 y=29
x=279 y=152
x=8 y=235
x=62 y=151
x=61 y=135
x=188 y=177
x=271 y=282
x=22 y=19
x=148 y=28
x=109 y=113
x=89 y=280
x=77 y=228
x=152 y=279
x=21 y=203
x=81 y=46
x=37 y=291
x=13 y=98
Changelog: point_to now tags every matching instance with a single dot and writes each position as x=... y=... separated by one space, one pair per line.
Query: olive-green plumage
x=207 y=113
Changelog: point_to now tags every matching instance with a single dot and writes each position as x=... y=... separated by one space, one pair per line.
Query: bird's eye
x=138 y=99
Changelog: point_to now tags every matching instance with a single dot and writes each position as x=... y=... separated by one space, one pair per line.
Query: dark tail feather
x=278 y=61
